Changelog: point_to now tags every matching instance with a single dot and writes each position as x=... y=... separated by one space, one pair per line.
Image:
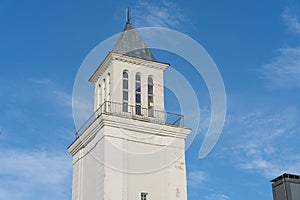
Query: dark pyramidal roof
x=131 y=44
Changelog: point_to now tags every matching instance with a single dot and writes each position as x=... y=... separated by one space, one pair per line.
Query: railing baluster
x=135 y=112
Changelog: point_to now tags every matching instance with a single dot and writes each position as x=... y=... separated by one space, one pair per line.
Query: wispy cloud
x=78 y=107
x=42 y=81
x=166 y=14
x=291 y=20
x=53 y=92
x=217 y=197
x=196 y=178
x=284 y=69
x=26 y=123
x=32 y=105
x=264 y=142
x=34 y=174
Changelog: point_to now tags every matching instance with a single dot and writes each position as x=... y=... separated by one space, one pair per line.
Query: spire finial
x=128 y=18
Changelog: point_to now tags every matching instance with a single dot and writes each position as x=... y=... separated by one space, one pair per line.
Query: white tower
x=130 y=149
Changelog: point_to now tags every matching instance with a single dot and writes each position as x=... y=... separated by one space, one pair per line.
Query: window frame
x=150 y=96
x=138 y=92
x=125 y=91
x=144 y=195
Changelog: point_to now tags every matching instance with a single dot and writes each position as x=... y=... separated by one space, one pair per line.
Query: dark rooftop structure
x=131 y=44
x=286 y=187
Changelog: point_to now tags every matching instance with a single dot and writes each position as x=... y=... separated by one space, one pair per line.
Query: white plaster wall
x=75 y=181
x=88 y=170
x=131 y=155
x=89 y=177
x=177 y=186
x=120 y=163
x=126 y=157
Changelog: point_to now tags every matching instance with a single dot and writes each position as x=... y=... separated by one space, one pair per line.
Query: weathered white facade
x=129 y=150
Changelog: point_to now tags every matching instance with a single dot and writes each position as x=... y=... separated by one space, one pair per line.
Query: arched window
x=125 y=91
x=138 y=107
x=150 y=97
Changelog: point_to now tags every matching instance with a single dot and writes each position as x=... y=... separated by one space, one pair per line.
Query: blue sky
x=255 y=44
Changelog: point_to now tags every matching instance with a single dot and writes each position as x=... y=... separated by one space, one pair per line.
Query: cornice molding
x=127 y=59
x=150 y=128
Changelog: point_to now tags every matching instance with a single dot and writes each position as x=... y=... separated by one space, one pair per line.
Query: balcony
x=133 y=112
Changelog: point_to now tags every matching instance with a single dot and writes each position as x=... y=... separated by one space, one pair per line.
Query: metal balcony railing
x=133 y=112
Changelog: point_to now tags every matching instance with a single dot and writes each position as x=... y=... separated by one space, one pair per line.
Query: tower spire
x=128 y=18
